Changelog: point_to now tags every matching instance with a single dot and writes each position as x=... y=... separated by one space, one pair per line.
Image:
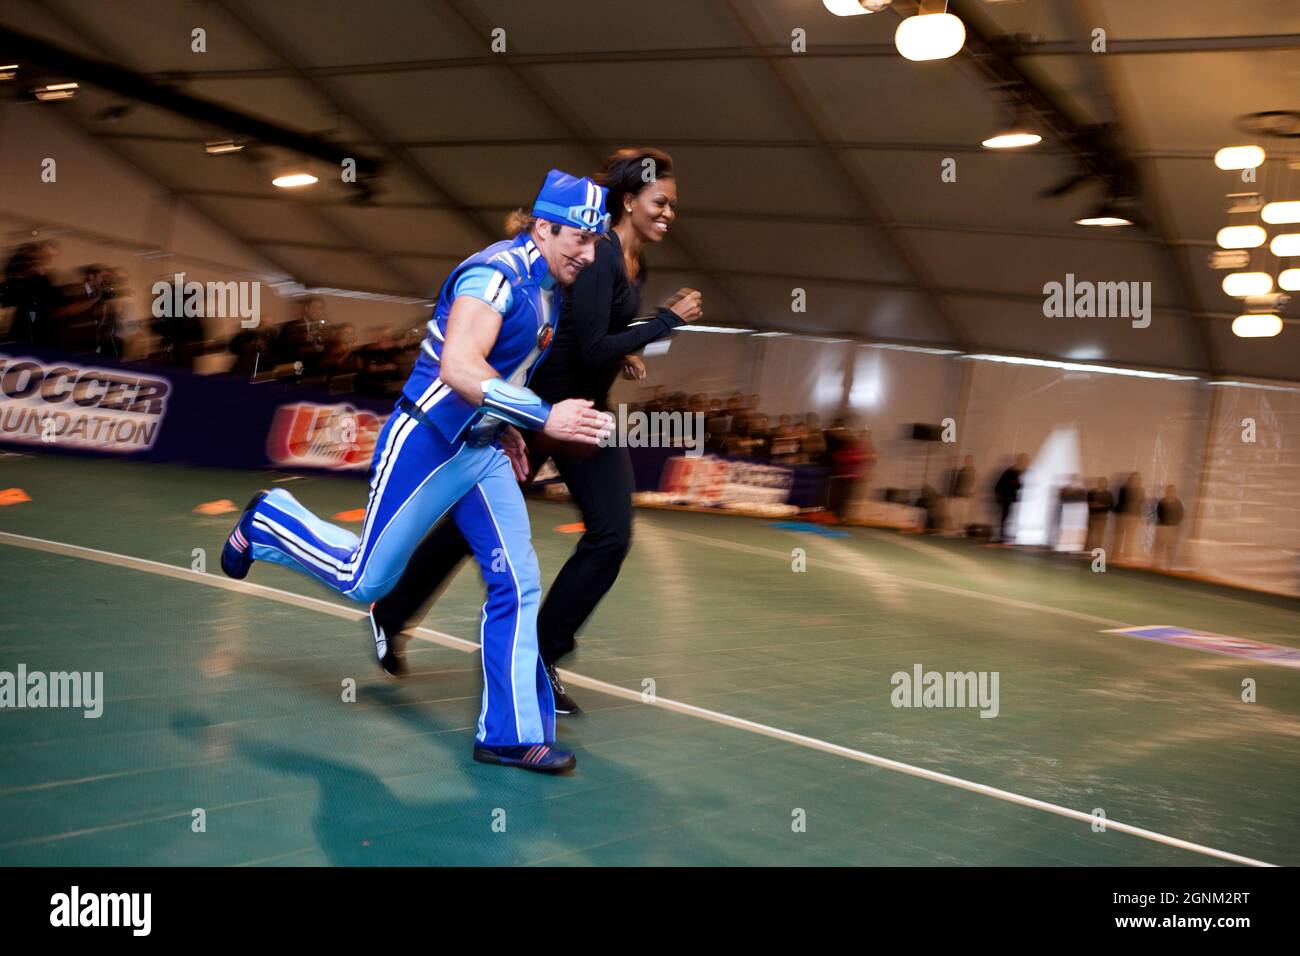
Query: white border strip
x=578 y=680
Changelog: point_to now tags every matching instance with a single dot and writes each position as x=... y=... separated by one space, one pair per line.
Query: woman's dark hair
x=628 y=172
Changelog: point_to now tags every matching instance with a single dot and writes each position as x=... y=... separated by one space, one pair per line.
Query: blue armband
x=515 y=404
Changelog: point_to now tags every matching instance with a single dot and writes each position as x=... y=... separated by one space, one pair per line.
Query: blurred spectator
x=1169 y=515
x=1100 y=502
x=1128 y=517
x=251 y=348
x=340 y=362
x=300 y=341
x=114 y=323
x=849 y=457
x=1069 y=493
x=812 y=447
x=1006 y=492
x=83 y=310
x=784 y=447
x=379 y=375
x=961 y=488
x=33 y=297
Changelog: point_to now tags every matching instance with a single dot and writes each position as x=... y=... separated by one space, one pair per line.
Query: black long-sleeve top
x=592 y=335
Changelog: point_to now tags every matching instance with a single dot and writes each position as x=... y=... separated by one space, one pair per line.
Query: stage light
x=1289 y=279
x=930 y=36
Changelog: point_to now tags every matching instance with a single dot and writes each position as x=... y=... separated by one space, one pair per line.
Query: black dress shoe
x=388 y=647
x=565 y=705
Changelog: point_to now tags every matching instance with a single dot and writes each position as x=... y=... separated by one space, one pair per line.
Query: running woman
x=596 y=337
x=450 y=448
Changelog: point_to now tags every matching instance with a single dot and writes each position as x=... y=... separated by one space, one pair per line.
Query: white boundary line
x=690 y=710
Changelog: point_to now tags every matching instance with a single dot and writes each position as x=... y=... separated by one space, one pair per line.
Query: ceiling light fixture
x=1247 y=283
x=930 y=36
x=1281 y=212
x=1241 y=237
x=855 y=8
x=1287 y=244
x=55 y=91
x=1239 y=157
x=1256 y=326
x=220 y=147
x=293 y=180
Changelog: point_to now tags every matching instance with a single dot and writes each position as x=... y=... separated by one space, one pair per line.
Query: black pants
x=1004 y=524
x=600 y=481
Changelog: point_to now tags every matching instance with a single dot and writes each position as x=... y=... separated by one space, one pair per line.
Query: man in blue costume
x=450 y=447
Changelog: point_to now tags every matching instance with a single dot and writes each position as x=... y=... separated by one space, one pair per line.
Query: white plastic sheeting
x=1249 y=521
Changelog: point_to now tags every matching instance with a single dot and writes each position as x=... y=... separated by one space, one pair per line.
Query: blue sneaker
x=540 y=757
x=237 y=555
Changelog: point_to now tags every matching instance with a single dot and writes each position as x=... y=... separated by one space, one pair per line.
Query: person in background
x=961 y=488
x=1169 y=515
x=784 y=445
x=1006 y=492
x=34 y=298
x=1128 y=517
x=250 y=349
x=1100 y=503
x=82 y=310
x=848 y=455
x=812 y=441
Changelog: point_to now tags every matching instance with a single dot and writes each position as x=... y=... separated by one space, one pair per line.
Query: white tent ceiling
x=818 y=170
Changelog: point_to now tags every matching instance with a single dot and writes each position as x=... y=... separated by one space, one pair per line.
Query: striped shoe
x=237 y=555
x=540 y=757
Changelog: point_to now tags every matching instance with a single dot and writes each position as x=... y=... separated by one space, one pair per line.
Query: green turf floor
x=231 y=702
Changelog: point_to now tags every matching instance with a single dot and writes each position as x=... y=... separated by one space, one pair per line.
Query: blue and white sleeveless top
x=513 y=278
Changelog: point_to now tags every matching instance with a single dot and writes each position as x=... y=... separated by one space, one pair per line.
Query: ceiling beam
x=861 y=193
x=580 y=135
x=25 y=49
x=120 y=56
x=1132 y=46
x=432 y=187
x=1121 y=103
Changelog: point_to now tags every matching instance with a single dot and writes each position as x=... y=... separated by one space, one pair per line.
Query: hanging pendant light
x=855 y=8
x=1252 y=326
x=1239 y=157
x=1247 y=283
x=930 y=36
x=1241 y=237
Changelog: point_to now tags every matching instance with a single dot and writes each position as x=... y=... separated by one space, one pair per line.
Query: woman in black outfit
x=594 y=339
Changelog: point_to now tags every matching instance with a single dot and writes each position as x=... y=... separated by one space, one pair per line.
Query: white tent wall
x=1248 y=532
x=1115 y=425
x=798 y=375
x=101 y=209
x=889 y=391
x=715 y=363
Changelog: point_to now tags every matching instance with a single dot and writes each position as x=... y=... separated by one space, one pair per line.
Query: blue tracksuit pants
x=417 y=476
